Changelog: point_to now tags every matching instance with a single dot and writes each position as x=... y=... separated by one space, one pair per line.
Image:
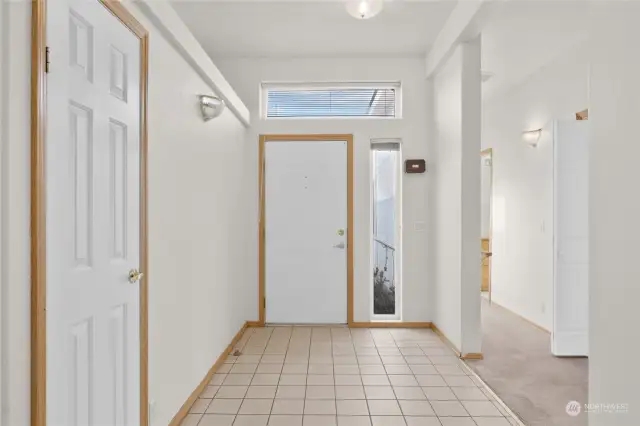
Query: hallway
x=321 y=376
x=519 y=367
x=175 y=174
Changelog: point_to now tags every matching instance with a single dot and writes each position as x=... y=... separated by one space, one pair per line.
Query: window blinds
x=343 y=102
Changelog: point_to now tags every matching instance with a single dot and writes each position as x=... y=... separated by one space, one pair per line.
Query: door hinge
x=264 y=303
x=46 y=59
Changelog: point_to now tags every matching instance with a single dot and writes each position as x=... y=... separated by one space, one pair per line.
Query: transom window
x=349 y=100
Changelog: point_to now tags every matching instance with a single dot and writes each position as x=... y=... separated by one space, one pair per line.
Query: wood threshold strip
x=472 y=355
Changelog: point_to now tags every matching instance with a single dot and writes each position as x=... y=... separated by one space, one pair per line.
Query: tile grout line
x=333 y=377
x=456 y=396
x=286 y=351
x=449 y=386
x=332 y=342
x=219 y=386
x=360 y=371
x=479 y=388
x=414 y=376
x=254 y=374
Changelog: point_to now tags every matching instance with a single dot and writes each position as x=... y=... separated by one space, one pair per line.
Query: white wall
x=15 y=215
x=201 y=278
x=200 y=216
x=3 y=62
x=522 y=263
x=455 y=191
x=445 y=176
x=614 y=228
x=245 y=75
x=3 y=65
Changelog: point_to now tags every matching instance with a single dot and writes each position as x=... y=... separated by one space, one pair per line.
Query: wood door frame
x=261 y=238
x=38 y=206
x=489 y=152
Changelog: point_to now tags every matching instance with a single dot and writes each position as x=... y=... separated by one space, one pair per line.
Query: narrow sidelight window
x=386 y=181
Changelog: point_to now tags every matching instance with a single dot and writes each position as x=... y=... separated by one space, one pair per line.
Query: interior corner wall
x=470 y=196
x=3 y=112
x=614 y=209
x=202 y=230
x=522 y=216
x=15 y=192
x=455 y=190
x=246 y=75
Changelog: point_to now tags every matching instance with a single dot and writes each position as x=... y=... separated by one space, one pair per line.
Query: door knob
x=135 y=275
x=339 y=245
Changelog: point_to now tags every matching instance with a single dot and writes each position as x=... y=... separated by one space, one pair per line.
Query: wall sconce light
x=211 y=107
x=531 y=137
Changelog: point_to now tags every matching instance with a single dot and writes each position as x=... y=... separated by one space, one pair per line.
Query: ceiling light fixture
x=364 y=9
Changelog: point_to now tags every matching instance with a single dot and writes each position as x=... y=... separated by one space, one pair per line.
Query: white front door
x=570 y=335
x=93 y=217
x=306 y=232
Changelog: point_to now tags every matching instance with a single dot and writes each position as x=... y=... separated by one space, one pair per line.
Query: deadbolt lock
x=341 y=232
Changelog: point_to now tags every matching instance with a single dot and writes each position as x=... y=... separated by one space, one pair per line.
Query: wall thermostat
x=415 y=166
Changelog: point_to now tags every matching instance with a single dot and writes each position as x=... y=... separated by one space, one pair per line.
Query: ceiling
x=524 y=36
x=304 y=28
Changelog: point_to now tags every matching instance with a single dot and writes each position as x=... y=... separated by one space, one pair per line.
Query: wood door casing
x=38 y=206
x=263 y=140
x=485 y=246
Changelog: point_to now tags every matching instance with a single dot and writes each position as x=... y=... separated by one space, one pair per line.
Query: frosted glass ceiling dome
x=364 y=9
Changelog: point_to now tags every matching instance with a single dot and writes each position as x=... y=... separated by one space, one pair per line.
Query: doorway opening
x=386 y=181
x=486 y=178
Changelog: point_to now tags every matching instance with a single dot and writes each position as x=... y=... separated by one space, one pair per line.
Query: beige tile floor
x=336 y=376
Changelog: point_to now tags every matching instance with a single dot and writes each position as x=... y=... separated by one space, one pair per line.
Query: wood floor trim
x=395 y=324
x=373 y=324
x=184 y=410
x=470 y=355
x=390 y=324
x=445 y=339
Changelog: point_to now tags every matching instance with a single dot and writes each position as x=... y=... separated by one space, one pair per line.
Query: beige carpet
x=520 y=369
